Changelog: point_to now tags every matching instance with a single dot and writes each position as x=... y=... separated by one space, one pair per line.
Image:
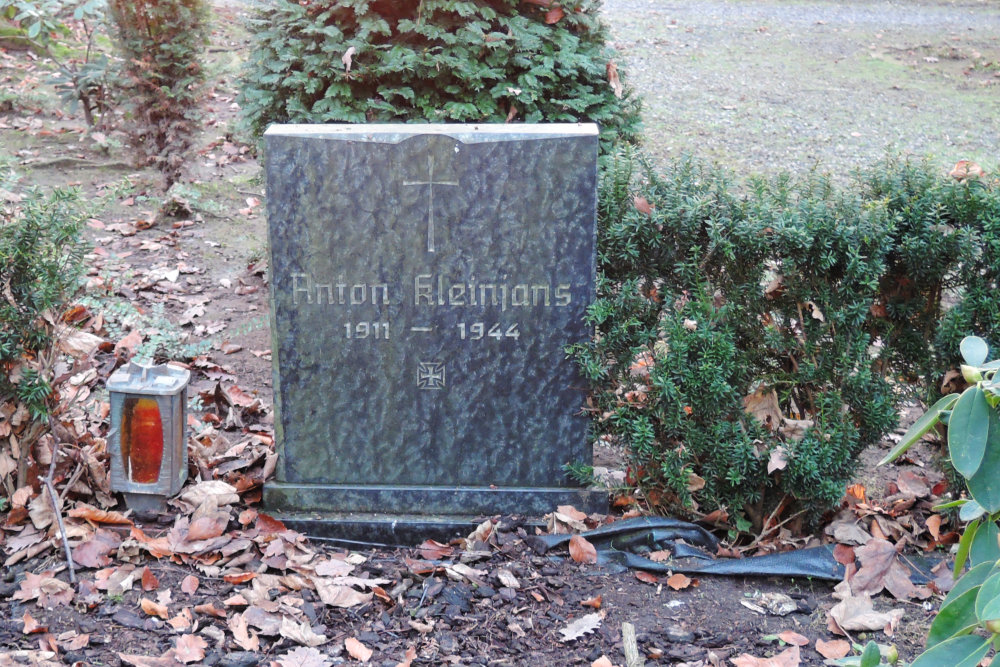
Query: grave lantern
x=147 y=443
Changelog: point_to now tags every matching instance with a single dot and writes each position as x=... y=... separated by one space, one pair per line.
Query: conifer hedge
x=355 y=61
x=754 y=337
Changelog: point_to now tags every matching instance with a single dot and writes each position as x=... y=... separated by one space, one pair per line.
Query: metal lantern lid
x=136 y=378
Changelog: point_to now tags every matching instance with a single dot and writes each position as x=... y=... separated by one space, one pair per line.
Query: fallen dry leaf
x=581 y=626
x=814 y=310
x=678 y=581
x=480 y=535
x=210 y=609
x=32 y=626
x=224 y=494
x=594 y=602
x=834 y=649
x=934 y=525
x=844 y=554
x=265 y=622
x=303 y=656
x=128 y=344
x=845 y=530
x=646 y=577
x=965 y=169
x=508 y=579
x=357 y=650
x=154 y=608
x=434 y=550
x=336 y=595
x=614 y=80
x=190 y=648
x=566 y=519
x=207 y=527
x=913 y=485
x=183 y=620
x=48 y=590
x=94 y=552
x=880 y=568
x=89 y=513
x=422 y=628
x=300 y=633
x=795 y=429
x=582 y=551
x=189 y=584
x=793 y=638
x=778 y=459
x=695 y=482
x=242 y=634
x=857 y=613
x=763 y=405
x=458 y=572
x=787 y=658
x=411 y=655
x=333 y=567
x=149 y=580
x=642 y=205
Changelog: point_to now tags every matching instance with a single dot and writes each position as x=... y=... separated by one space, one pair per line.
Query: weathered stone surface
x=425 y=281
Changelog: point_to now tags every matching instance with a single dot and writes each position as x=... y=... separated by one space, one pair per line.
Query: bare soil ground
x=768 y=86
x=759 y=86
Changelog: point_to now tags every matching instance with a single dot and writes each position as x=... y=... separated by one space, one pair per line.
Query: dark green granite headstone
x=425 y=281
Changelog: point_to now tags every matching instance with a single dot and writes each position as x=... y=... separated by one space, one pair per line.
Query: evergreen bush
x=160 y=42
x=353 y=61
x=943 y=271
x=731 y=357
x=41 y=264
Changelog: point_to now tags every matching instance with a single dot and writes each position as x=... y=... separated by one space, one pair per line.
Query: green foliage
x=45 y=24
x=973 y=420
x=41 y=263
x=731 y=334
x=433 y=61
x=160 y=43
x=164 y=340
x=945 y=244
x=580 y=473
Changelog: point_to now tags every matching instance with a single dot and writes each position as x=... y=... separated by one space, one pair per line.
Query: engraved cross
x=430 y=183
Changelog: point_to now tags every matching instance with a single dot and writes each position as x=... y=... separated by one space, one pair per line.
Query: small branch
x=74 y=478
x=767 y=531
x=54 y=498
x=631 y=646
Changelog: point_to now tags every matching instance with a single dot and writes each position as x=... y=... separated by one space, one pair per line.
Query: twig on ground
x=54 y=498
x=631 y=646
x=73 y=479
x=767 y=531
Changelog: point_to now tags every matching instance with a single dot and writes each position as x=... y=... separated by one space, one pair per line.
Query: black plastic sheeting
x=623 y=544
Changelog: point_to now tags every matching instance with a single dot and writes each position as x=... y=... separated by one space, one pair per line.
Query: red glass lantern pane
x=142 y=440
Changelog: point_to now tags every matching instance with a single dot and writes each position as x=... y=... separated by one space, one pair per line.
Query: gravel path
x=762 y=86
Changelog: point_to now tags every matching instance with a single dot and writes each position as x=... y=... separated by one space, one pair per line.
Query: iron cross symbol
x=430 y=183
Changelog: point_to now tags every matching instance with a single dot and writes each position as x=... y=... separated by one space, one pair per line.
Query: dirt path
x=762 y=86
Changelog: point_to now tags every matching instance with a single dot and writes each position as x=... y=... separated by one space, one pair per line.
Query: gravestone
x=425 y=281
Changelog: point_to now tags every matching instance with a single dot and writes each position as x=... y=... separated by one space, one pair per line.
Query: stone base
x=386 y=514
x=145 y=503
